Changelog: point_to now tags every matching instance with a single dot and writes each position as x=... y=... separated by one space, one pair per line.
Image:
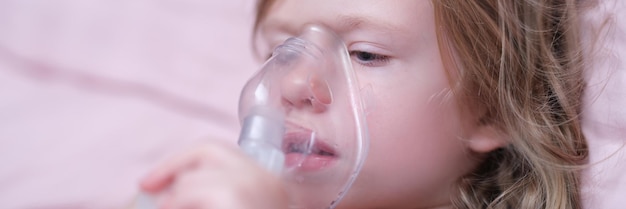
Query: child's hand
x=215 y=176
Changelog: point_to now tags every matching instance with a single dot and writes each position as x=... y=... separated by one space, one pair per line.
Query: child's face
x=416 y=150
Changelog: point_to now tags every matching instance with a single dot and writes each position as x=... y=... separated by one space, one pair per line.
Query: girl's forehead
x=346 y=15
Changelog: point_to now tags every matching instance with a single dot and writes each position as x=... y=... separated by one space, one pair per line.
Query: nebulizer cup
x=303 y=118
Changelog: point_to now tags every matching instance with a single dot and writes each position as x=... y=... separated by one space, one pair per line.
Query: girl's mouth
x=305 y=152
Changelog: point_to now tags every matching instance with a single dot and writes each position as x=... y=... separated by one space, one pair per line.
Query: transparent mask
x=303 y=118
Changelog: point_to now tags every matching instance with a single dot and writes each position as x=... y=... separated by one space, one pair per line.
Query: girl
x=476 y=107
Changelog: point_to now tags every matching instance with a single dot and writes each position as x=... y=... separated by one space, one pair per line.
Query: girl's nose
x=306 y=89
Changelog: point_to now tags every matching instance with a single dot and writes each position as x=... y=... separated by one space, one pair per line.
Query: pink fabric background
x=94 y=92
x=604 y=114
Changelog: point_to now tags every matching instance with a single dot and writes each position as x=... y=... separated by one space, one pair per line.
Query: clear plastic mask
x=303 y=118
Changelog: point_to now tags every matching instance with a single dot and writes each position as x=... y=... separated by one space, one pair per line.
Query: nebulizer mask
x=303 y=118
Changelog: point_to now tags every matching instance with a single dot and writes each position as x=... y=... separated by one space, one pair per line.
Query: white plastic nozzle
x=261 y=137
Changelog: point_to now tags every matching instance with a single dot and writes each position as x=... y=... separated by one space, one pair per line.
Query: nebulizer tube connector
x=261 y=138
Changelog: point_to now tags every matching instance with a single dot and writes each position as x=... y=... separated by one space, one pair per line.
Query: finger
x=225 y=187
x=165 y=173
x=214 y=153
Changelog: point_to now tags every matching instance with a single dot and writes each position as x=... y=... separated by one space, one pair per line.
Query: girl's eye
x=369 y=59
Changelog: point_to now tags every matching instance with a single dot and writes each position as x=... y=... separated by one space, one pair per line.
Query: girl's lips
x=305 y=152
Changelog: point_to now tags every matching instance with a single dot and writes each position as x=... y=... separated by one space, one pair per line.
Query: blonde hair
x=519 y=63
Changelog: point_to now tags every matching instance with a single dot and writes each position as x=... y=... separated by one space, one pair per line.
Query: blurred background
x=93 y=93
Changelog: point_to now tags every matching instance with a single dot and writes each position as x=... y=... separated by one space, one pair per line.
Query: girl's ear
x=486 y=138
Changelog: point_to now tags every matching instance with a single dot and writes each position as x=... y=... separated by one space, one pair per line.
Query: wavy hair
x=520 y=62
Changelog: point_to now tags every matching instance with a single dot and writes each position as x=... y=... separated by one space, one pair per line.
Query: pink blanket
x=604 y=112
x=94 y=92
